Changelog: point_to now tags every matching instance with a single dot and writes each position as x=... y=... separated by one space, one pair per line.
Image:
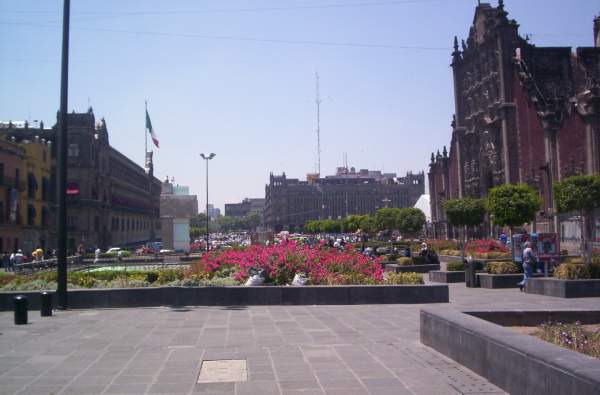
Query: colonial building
x=110 y=199
x=523 y=114
x=291 y=202
x=25 y=170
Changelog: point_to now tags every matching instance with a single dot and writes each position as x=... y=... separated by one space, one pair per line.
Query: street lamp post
x=207 y=158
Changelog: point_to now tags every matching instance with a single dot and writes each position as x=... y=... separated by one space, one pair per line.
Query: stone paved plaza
x=369 y=349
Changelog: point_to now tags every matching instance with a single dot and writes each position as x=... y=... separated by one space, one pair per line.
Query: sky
x=237 y=78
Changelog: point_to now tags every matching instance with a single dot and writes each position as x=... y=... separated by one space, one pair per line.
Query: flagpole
x=145 y=135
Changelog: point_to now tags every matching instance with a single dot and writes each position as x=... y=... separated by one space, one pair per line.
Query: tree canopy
x=465 y=212
x=410 y=221
x=577 y=193
x=513 y=204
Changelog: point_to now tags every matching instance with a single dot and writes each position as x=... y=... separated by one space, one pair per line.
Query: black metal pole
x=61 y=155
x=207 y=219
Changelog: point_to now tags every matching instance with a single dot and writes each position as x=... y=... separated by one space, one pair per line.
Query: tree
x=410 y=221
x=582 y=194
x=251 y=220
x=351 y=223
x=313 y=226
x=331 y=226
x=464 y=213
x=367 y=223
x=386 y=218
x=513 y=205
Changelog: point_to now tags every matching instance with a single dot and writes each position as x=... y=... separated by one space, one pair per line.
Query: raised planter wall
x=438 y=276
x=563 y=288
x=392 y=267
x=494 y=281
x=241 y=296
x=519 y=364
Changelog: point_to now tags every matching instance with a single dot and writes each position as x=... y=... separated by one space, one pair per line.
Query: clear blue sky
x=237 y=78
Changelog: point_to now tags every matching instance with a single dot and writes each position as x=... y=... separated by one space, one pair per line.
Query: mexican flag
x=150 y=130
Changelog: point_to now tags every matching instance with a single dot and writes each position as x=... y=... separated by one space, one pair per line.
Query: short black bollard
x=46 y=304
x=20 y=302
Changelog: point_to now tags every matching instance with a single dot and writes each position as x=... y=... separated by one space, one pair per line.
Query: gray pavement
x=369 y=349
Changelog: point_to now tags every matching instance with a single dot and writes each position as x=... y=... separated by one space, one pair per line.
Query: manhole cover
x=223 y=371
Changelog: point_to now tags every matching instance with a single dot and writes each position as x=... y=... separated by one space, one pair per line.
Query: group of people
x=12 y=262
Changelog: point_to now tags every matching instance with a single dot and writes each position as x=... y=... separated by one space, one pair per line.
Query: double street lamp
x=207 y=158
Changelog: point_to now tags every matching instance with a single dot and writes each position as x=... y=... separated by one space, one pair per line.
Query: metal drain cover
x=223 y=371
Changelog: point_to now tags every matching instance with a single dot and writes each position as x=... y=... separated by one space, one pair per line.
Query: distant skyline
x=237 y=78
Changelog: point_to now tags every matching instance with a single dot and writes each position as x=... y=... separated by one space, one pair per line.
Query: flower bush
x=321 y=265
x=487 y=249
x=572 y=271
x=455 y=267
x=391 y=278
x=502 y=268
x=571 y=336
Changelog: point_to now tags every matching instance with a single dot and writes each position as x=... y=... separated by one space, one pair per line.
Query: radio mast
x=318 y=101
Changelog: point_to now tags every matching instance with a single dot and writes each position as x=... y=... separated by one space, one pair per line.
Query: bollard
x=20 y=302
x=46 y=304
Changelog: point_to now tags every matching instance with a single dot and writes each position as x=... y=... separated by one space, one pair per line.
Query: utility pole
x=61 y=154
x=318 y=101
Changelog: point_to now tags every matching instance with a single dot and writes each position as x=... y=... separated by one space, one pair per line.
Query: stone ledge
x=517 y=363
x=240 y=296
x=563 y=288
x=495 y=281
x=438 y=276
x=392 y=267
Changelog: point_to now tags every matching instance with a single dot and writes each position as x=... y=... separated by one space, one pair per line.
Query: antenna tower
x=318 y=101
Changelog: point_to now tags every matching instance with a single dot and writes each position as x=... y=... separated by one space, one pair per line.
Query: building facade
x=245 y=207
x=111 y=201
x=290 y=203
x=176 y=210
x=25 y=172
x=523 y=114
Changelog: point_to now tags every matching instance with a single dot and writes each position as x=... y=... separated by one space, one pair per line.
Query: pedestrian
x=18 y=260
x=6 y=261
x=97 y=255
x=529 y=261
x=38 y=254
x=503 y=238
x=407 y=252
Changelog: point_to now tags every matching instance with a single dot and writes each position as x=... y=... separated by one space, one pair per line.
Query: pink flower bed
x=322 y=265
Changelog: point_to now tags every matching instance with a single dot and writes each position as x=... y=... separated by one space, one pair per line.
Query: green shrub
x=392 y=278
x=418 y=260
x=455 y=266
x=502 y=268
x=404 y=261
x=34 y=285
x=151 y=277
x=169 y=275
x=572 y=271
x=594 y=269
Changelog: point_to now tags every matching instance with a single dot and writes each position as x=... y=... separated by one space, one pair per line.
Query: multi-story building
x=25 y=172
x=176 y=210
x=213 y=212
x=245 y=207
x=290 y=203
x=524 y=114
x=110 y=199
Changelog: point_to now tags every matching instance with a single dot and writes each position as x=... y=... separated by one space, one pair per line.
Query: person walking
x=529 y=262
x=18 y=260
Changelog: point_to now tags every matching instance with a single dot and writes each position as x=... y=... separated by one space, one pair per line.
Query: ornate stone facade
x=111 y=200
x=523 y=114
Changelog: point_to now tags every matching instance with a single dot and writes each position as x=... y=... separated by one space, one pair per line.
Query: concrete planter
x=564 y=288
x=241 y=296
x=494 y=281
x=438 y=276
x=517 y=363
x=392 y=267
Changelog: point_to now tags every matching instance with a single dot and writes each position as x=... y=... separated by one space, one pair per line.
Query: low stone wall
x=438 y=276
x=517 y=363
x=241 y=296
x=563 y=288
x=494 y=281
x=392 y=267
